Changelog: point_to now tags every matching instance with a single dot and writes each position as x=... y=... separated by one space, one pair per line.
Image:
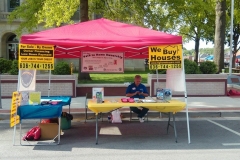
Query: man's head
x=137 y=80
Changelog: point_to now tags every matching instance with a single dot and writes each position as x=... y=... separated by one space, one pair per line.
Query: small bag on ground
x=116 y=116
x=33 y=134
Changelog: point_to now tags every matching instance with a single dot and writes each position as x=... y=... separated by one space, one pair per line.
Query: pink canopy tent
x=101 y=35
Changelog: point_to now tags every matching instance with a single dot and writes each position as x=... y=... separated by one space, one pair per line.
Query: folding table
x=171 y=106
x=40 y=112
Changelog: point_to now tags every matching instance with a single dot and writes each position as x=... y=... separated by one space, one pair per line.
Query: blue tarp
x=66 y=100
x=39 y=111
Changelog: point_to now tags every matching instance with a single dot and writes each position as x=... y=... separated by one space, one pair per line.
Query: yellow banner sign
x=165 y=57
x=39 y=57
x=16 y=101
x=14 y=120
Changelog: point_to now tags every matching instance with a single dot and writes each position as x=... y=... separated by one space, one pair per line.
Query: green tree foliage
x=236 y=28
x=56 y=13
x=194 y=20
x=62 y=68
x=5 y=65
x=14 y=68
x=208 y=51
x=208 y=67
x=50 y=13
x=128 y=11
x=188 y=52
x=190 y=67
x=28 y=12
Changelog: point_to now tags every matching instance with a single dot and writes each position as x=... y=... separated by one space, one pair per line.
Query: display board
x=39 y=57
x=111 y=62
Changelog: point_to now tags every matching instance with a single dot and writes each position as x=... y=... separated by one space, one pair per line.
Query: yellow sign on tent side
x=165 y=57
x=39 y=57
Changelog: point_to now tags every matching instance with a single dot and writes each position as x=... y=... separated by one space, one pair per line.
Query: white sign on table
x=97 y=90
x=111 y=62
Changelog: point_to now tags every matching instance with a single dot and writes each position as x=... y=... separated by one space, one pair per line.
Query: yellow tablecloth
x=109 y=105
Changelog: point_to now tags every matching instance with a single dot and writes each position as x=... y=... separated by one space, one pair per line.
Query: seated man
x=137 y=90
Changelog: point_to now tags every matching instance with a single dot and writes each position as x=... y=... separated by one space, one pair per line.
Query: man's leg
x=136 y=110
x=143 y=112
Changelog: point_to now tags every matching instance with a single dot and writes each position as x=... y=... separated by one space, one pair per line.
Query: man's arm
x=131 y=94
x=137 y=92
x=144 y=94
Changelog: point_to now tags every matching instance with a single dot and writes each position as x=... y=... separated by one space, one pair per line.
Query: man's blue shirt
x=132 y=88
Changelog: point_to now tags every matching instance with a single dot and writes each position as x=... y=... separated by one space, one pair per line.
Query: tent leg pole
x=188 y=129
x=157 y=79
x=96 y=129
x=49 y=83
x=174 y=126
x=185 y=95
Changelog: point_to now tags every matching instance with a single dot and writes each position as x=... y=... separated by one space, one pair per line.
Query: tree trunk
x=83 y=17
x=235 y=44
x=197 y=42
x=220 y=34
x=84 y=10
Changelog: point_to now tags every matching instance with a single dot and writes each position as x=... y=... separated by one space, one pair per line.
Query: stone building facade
x=8 y=39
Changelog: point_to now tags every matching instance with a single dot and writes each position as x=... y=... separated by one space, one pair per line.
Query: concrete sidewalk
x=195 y=104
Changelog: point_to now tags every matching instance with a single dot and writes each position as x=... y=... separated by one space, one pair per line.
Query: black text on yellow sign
x=165 y=57
x=16 y=100
x=37 y=66
x=36 y=54
x=14 y=120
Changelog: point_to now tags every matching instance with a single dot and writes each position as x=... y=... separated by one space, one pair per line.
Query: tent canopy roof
x=101 y=35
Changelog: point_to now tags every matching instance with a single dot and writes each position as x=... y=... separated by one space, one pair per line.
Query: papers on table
x=34 y=98
x=148 y=101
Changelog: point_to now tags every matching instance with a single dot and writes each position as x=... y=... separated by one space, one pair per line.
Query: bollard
x=71 y=68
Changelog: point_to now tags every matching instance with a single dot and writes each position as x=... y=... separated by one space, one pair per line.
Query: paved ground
x=212 y=136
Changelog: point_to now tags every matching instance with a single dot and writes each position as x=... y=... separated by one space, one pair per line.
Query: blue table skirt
x=39 y=111
x=66 y=100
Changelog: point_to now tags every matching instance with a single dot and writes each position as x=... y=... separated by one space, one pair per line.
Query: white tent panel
x=175 y=80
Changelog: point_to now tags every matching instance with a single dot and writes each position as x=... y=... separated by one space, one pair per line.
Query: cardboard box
x=48 y=130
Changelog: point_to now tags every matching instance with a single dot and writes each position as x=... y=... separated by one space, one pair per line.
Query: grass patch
x=109 y=78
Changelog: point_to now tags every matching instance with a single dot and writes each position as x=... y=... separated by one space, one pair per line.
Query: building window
x=12 y=45
x=12 y=4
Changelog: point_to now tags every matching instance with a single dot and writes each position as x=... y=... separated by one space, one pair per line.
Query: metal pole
x=158 y=86
x=185 y=96
x=49 y=83
x=0 y=93
x=96 y=129
x=231 y=37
